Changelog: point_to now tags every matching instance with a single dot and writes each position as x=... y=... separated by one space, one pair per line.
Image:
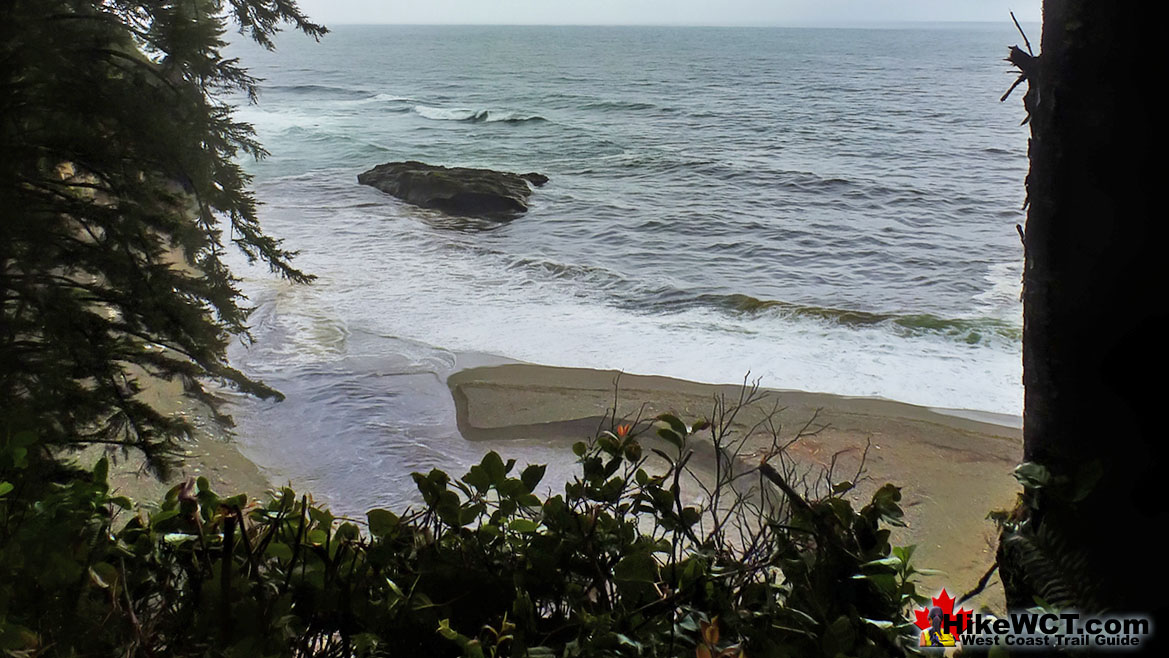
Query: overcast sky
x=665 y=12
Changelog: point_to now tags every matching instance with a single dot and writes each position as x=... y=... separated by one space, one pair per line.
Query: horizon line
x=795 y=24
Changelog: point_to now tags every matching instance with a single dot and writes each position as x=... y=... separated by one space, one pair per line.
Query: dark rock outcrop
x=454 y=190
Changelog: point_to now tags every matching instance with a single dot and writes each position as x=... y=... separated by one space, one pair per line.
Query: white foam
x=390 y=98
x=439 y=288
x=466 y=114
x=1006 y=287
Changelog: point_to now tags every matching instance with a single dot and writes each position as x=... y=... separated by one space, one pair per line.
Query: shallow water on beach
x=829 y=210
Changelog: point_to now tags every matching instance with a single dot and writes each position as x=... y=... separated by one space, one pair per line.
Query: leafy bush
x=619 y=564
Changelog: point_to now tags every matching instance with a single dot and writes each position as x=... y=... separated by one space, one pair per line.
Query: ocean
x=828 y=210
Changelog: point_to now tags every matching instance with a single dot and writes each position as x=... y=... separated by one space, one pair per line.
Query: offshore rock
x=455 y=190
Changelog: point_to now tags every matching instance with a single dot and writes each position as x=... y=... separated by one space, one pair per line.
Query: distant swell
x=318 y=90
x=967 y=330
x=390 y=98
x=666 y=300
x=474 y=116
x=618 y=105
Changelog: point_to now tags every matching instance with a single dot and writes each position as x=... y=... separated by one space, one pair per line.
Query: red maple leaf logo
x=946 y=603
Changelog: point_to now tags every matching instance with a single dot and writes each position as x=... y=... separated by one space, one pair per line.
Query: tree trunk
x=1094 y=307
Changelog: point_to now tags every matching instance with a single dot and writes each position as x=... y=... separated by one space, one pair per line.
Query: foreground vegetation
x=618 y=564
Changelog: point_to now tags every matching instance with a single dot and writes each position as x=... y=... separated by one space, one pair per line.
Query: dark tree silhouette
x=1094 y=354
x=118 y=191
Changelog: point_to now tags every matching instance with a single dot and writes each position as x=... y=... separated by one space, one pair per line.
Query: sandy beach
x=952 y=470
x=210 y=452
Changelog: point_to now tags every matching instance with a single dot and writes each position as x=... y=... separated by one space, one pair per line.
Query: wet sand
x=209 y=452
x=953 y=468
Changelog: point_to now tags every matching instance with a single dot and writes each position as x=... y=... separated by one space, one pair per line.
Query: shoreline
x=953 y=468
x=210 y=452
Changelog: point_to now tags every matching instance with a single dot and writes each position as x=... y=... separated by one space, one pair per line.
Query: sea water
x=826 y=209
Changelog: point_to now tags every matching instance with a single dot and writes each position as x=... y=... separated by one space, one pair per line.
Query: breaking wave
x=969 y=330
x=474 y=116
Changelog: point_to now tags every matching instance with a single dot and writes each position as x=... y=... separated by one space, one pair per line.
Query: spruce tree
x=119 y=193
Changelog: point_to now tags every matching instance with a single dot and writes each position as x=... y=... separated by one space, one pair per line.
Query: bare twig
x=981 y=584
x=1023 y=34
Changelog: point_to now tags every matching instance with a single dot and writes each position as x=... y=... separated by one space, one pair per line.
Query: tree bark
x=1094 y=298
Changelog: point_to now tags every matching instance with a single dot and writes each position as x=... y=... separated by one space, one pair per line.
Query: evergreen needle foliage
x=119 y=190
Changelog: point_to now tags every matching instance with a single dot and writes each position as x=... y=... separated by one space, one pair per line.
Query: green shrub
x=618 y=564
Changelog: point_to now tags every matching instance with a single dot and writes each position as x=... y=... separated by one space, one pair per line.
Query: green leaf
x=381 y=522
x=629 y=642
x=523 y=525
x=445 y=630
x=609 y=443
x=636 y=567
x=395 y=589
x=279 y=550
x=633 y=451
x=103 y=574
x=22 y=439
x=159 y=517
x=478 y=478
x=670 y=436
x=178 y=538
x=18 y=639
x=1032 y=475
x=886 y=581
x=893 y=561
x=5 y=487
x=885 y=502
x=675 y=424
x=450 y=510
x=532 y=476
x=101 y=471
x=493 y=466
x=323 y=517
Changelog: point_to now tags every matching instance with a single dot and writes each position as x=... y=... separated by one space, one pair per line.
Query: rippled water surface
x=831 y=210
